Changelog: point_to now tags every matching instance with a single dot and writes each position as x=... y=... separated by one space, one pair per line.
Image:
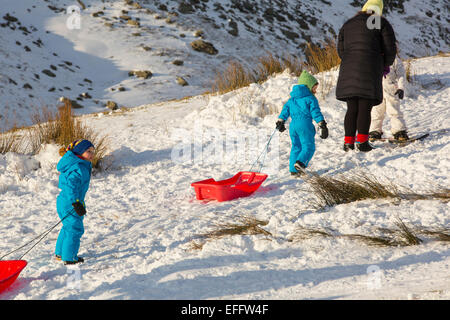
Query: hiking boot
x=375 y=135
x=79 y=260
x=401 y=136
x=57 y=257
x=364 y=146
x=300 y=167
x=349 y=146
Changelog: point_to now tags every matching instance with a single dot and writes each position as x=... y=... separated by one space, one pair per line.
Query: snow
x=143 y=219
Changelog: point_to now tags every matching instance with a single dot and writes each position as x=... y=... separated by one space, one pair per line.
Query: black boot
x=300 y=167
x=79 y=260
x=401 y=136
x=364 y=146
x=375 y=135
x=349 y=146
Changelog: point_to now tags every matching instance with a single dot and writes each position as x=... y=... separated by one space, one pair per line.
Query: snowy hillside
x=49 y=50
x=143 y=230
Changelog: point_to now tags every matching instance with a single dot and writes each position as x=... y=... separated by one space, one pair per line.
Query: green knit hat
x=307 y=79
x=374 y=5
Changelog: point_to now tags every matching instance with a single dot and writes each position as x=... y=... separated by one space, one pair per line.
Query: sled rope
x=41 y=236
x=264 y=152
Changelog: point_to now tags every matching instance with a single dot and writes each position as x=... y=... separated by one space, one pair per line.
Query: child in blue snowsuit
x=302 y=107
x=75 y=174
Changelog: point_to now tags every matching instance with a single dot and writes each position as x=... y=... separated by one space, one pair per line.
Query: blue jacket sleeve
x=316 y=114
x=73 y=186
x=285 y=113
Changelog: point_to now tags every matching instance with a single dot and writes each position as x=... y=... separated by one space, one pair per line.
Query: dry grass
x=399 y=236
x=245 y=226
x=10 y=142
x=331 y=191
x=234 y=77
x=62 y=128
x=319 y=58
x=339 y=190
x=323 y=57
x=237 y=76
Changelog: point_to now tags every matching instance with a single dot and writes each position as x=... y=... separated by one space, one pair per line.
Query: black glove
x=280 y=125
x=323 y=129
x=400 y=93
x=79 y=208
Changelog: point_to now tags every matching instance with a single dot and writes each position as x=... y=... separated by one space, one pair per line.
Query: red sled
x=243 y=184
x=9 y=271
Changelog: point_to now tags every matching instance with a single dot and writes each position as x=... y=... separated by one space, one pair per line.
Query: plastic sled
x=9 y=271
x=242 y=184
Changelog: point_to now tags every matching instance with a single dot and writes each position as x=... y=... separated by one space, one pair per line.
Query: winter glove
x=400 y=94
x=280 y=125
x=79 y=208
x=386 y=71
x=323 y=129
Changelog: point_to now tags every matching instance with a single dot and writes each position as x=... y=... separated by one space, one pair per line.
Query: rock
x=170 y=20
x=112 y=105
x=83 y=6
x=136 y=5
x=185 y=8
x=73 y=103
x=141 y=74
x=9 y=18
x=234 y=31
x=181 y=81
x=146 y=48
x=97 y=14
x=125 y=17
x=48 y=73
x=203 y=46
x=178 y=62
x=133 y=23
x=198 y=33
x=27 y=86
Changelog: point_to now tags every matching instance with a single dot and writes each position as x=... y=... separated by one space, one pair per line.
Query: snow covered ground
x=143 y=221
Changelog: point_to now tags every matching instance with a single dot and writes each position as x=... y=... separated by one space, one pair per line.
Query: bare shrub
x=62 y=128
x=322 y=57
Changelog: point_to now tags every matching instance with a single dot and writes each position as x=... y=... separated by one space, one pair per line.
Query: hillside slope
x=42 y=59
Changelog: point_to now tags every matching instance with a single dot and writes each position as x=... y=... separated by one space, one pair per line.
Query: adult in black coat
x=366 y=46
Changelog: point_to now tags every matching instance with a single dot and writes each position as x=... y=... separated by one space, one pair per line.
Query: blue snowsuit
x=302 y=107
x=74 y=183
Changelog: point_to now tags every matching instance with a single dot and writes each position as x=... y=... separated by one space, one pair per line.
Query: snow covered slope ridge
x=144 y=229
x=88 y=50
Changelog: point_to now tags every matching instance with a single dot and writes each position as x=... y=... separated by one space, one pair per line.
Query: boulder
x=203 y=46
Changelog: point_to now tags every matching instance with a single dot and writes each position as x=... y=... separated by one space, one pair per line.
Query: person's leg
x=395 y=115
x=350 y=120
x=73 y=230
x=295 y=149
x=308 y=145
x=377 y=115
x=364 y=119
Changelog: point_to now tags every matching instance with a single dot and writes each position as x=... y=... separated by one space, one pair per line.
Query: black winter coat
x=364 y=53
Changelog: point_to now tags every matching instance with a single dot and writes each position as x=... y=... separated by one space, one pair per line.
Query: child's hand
x=79 y=208
x=323 y=129
x=280 y=125
x=400 y=94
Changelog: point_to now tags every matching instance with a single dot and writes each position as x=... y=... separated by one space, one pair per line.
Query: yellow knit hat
x=374 y=5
